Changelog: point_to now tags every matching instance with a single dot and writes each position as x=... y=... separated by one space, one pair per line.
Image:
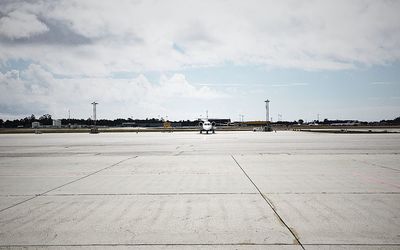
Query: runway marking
x=270 y=204
x=80 y=178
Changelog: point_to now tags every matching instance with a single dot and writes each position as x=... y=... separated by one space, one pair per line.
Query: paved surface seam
x=51 y=154
x=149 y=194
x=80 y=178
x=209 y=193
x=153 y=244
x=351 y=244
x=194 y=244
x=266 y=200
x=377 y=165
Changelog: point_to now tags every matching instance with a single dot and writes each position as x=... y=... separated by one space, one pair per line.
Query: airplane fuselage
x=207 y=126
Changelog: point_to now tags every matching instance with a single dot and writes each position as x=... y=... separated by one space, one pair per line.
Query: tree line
x=47 y=119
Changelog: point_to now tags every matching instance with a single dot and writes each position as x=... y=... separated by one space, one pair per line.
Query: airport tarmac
x=185 y=190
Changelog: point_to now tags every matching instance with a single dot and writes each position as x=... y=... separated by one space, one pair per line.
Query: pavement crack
x=270 y=205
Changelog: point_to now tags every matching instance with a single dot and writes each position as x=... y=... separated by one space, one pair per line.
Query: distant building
x=151 y=124
x=35 y=124
x=76 y=125
x=57 y=123
x=220 y=122
x=255 y=123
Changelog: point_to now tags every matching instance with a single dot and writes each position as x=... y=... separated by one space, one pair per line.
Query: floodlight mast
x=94 y=112
x=267 y=110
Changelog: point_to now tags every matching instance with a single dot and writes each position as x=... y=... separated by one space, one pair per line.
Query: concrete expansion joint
x=377 y=165
x=144 y=194
x=331 y=193
x=353 y=244
x=291 y=230
x=68 y=183
x=145 y=245
x=192 y=244
x=202 y=193
x=270 y=203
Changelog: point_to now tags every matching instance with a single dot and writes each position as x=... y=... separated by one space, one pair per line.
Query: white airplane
x=207 y=126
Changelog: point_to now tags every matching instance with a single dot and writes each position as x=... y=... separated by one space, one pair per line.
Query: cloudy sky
x=339 y=59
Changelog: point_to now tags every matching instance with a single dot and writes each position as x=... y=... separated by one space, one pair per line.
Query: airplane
x=207 y=126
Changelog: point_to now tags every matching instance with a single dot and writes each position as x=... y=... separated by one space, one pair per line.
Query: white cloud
x=177 y=85
x=75 y=47
x=293 y=84
x=18 y=24
x=171 y=35
x=36 y=90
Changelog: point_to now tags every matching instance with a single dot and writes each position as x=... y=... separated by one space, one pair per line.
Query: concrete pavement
x=229 y=190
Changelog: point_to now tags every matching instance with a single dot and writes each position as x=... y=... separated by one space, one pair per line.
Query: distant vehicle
x=207 y=126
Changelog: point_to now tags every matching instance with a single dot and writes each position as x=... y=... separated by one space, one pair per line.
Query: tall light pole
x=94 y=112
x=267 y=110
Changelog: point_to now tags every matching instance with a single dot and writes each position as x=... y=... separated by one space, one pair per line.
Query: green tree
x=46 y=119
